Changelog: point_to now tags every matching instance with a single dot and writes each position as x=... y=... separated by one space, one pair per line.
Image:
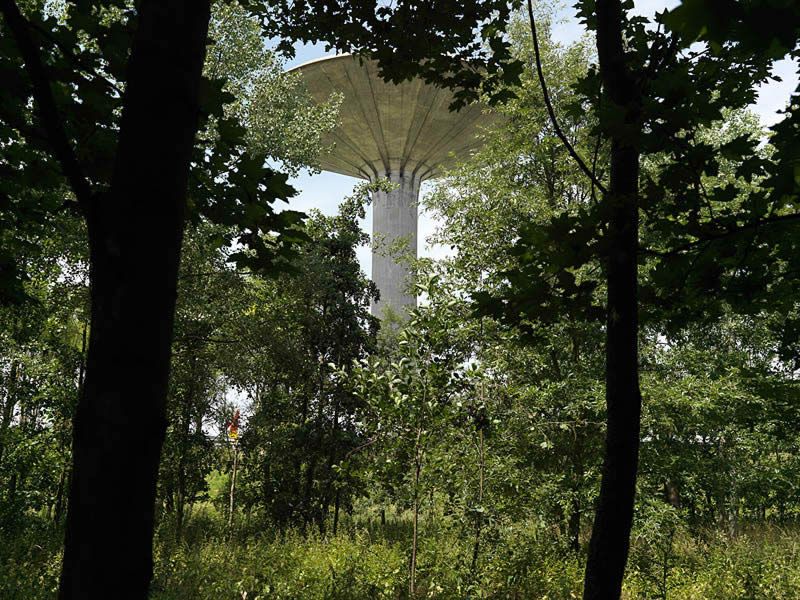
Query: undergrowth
x=370 y=561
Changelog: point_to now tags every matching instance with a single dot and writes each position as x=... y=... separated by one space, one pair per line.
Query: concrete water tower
x=404 y=133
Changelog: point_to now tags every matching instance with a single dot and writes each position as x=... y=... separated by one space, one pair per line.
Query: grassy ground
x=366 y=561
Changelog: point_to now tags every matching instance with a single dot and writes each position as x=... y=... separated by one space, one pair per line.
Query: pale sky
x=324 y=191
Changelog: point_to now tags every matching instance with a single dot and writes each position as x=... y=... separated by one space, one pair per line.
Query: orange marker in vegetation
x=233 y=426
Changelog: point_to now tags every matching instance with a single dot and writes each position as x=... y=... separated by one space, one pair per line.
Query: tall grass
x=367 y=560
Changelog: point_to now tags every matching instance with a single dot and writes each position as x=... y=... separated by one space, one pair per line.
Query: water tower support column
x=394 y=218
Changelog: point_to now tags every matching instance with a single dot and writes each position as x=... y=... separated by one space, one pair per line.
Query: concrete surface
x=404 y=133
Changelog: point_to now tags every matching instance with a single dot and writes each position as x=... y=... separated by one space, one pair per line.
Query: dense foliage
x=311 y=451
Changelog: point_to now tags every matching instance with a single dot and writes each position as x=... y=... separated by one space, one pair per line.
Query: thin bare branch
x=572 y=152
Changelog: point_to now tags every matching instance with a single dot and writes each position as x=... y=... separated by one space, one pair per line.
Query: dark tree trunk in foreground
x=135 y=231
x=608 y=548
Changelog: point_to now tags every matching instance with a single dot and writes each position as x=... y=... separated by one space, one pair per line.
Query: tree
x=523 y=179
x=281 y=121
x=641 y=108
x=116 y=447
x=210 y=292
x=642 y=125
x=43 y=345
x=118 y=98
x=303 y=420
x=409 y=393
x=282 y=124
x=456 y=45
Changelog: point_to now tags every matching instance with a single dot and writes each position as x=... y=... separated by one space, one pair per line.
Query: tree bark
x=135 y=230
x=609 y=544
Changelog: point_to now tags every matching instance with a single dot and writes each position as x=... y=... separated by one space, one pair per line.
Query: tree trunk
x=336 y=513
x=310 y=511
x=609 y=545
x=179 y=507
x=135 y=231
x=58 y=505
x=184 y=431
x=575 y=524
x=333 y=477
x=299 y=455
x=579 y=475
x=412 y=569
x=64 y=477
x=479 y=515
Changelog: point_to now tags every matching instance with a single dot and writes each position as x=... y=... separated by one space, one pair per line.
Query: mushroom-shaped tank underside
x=389 y=128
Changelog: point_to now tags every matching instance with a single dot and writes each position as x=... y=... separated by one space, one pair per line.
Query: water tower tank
x=403 y=132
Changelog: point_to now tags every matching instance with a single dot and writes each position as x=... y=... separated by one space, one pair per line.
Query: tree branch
x=43 y=95
x=70 y=56
x=363 y=446
x=587 y=171
x=721 y=235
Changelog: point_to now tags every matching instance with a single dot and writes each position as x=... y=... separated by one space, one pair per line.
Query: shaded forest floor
x=368 y=560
